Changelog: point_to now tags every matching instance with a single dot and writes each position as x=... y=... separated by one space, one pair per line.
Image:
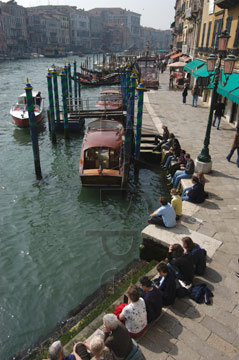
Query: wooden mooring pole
x=33 y=130
x=64 y=100
x=141 y=89
x=51 y=107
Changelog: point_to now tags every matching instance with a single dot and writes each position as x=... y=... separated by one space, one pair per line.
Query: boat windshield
x=101 y=158
x=20 y=107
x=99 y=125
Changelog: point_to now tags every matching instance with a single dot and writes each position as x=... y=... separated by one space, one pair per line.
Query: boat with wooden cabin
x=101 y=162
x=110 y=99
x=19 y=111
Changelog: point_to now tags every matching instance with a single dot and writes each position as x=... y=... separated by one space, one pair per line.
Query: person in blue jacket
x=197 y=253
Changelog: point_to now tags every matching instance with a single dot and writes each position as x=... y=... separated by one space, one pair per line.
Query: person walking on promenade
x=219 y=112
x=235 y=145
x=164 y=216
x=186 y=171
x=185 y=93
x=195 y=91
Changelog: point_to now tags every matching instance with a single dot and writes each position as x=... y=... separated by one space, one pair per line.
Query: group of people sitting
x=179 y=165
x=141 y=305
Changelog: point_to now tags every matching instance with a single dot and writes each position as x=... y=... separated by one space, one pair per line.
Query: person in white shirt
x=134 y=314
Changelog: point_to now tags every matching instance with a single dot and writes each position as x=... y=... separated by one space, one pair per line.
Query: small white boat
x=19 y=111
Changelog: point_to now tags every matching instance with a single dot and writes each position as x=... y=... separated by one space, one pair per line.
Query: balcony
x=226 y=4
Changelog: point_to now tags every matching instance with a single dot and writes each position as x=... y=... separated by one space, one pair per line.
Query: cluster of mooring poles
x=132 y=141
x=55 y=116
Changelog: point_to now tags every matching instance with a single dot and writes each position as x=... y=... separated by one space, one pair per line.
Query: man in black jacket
x=219 y=112
x=166 y=283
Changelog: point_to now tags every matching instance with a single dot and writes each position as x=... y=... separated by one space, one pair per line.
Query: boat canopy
x=103 y=133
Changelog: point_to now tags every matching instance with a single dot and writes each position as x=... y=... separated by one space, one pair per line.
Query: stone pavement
x=188 y=330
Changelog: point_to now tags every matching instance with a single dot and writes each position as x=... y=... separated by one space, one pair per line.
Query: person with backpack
x=197 y=253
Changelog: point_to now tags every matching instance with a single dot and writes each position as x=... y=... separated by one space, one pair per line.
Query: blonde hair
x=97 y=345
x=174 y=191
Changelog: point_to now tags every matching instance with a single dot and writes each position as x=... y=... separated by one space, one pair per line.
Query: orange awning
x=171 y=53
x=176 y=56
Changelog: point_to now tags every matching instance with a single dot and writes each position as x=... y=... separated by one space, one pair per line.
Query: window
x=229 y=23
x=208 y=33
x=203 y=34
x=216 y=32
x=236 y=41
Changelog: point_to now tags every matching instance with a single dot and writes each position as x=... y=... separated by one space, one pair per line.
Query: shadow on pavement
x=212 y=275
x=220 y=174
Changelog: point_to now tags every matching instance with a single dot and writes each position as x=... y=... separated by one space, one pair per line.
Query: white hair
x=97 y=345
x=55 y=350
x=110 y=321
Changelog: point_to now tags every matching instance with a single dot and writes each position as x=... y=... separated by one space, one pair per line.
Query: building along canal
x=54 y=232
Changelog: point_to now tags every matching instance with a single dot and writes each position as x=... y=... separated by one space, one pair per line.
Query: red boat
x=19 y=111
x=101 y=162
x=110 y=100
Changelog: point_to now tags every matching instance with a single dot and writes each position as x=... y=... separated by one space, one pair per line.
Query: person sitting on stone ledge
x=163 y=137
x=164 y=216
x=181 y=265
x=165 y=144
x=194 y=193
x=180 y=161
x=176 y=203
x=134 y=314
x=166 y=283
x=56 y=352
x=152 y=297
x=186 y=171
x=118 y=340
x=172 y=154
x=197 y=253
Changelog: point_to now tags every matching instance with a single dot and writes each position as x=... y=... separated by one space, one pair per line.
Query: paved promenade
x=187 y=330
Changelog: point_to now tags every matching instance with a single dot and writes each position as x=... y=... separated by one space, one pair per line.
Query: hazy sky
x=158 y=14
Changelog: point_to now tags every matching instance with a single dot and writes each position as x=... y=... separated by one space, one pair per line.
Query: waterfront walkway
x=188 y=330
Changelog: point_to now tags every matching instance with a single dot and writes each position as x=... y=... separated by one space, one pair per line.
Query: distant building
x=13 y=29
x=123 y=18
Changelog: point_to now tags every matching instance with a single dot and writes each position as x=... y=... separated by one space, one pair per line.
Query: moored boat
x=110 y=99
x=101 y=162
x=19 y=111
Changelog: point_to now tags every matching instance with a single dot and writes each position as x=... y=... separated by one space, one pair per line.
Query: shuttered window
x=219 y=30
x=203 y=34
x=214 y=34
x=208 y=33
x=229 y=23
x=236 y=41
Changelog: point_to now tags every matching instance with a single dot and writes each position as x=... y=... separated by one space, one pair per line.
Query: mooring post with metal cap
x=33 y=130
x=75 y=85
x=64 y=100
x=141 y=89
x=56 y=95
x=51 y=107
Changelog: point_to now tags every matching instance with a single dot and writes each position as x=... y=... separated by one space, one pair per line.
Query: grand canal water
x=51 y=251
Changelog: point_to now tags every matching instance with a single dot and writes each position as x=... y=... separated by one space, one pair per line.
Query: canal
x=52 y=232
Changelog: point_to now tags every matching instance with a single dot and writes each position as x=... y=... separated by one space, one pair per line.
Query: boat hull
x=24 y=122
x=101 y=180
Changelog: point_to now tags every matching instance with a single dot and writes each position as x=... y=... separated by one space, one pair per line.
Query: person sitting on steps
x=164 y=216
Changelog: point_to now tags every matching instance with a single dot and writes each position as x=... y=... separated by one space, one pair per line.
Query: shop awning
x=201 y=72
x=177 y=64
x=185 y=59
x=231 y=84
x=176 y=56
x=162 y=51
x=234 y=96
x=193 y=65
x=171 y=53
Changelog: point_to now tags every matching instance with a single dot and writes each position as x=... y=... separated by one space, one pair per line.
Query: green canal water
x=56 y=238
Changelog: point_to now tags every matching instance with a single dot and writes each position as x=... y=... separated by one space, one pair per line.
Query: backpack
x=200 y=293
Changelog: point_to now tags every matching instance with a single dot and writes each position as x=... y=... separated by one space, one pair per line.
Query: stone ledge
x=170 y=236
